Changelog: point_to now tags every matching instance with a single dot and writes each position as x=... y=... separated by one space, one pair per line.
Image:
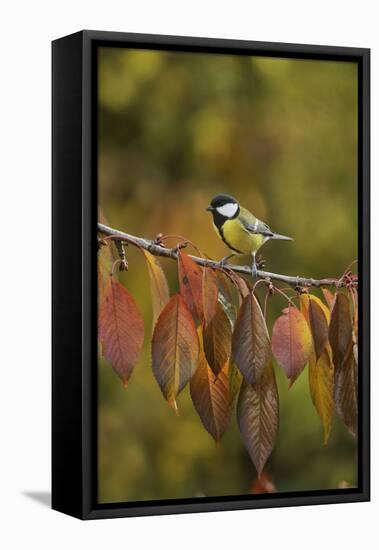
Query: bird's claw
x=261 y=262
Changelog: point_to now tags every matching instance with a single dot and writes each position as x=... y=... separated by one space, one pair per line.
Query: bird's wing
x=252 y=225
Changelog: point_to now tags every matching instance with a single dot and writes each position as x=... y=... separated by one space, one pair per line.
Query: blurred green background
x=280 y=135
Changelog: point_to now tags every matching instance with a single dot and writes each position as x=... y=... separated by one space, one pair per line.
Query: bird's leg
x=223 y=261
x=254 y=269
x=261 y=262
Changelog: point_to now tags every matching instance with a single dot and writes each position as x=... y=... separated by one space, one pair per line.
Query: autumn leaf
x=340 y=329
x=243 y=288
x=329 y=297
x=263 y=484
x=235 y=380
x=227 y=295
x=210 y=294
x=210 y=396
x=319 y=326
x=217 y=340
x=190 y=282
x=158 y=283
x=251 y=344
x=258 y=417
x=121 y=329
x=321 y=370
x=104 y=268
x=175 y=348
x=346 y=391
x=291 y=342
x=321 y=385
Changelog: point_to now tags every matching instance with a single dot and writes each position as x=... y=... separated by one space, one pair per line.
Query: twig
x=158 y=250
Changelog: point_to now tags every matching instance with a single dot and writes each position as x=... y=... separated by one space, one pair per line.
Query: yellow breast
x=238 y=239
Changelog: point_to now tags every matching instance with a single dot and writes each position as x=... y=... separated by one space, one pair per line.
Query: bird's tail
x=281 y=237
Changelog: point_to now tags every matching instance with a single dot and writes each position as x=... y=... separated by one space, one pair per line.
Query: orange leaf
x=210 y=294
x=340 y=329
x=120 y=329
x=217 y=340
x=291 y=342
x=258 y=417
x=251 y=344
x=158 y=283
x=175 y=348
x=210 y=397
x=190 y=282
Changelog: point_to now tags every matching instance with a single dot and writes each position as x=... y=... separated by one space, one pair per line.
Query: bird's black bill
x=209 y=209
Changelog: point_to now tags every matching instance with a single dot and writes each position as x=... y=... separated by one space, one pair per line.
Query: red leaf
x=291 y=342
x=120 y=329
x=263 y=484
x=251 y=344
x=190 y=281
x=175 y=348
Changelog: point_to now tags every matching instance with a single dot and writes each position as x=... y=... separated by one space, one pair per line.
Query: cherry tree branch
x=159 y=250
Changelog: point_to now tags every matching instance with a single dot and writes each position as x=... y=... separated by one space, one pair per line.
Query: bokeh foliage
x=280 y=135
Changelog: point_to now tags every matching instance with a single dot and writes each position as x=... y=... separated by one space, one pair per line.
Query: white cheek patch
x=228 y=210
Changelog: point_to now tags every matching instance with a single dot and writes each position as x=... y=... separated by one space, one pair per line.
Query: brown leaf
x=158 y=284
x=210 y=396
x=329 y=297
x=291 y=342
x=258 y=417
x=243 y=288
x=340 y=329
x=175 y=348
x=321 y=385
x=210 y=294
x=235 y=380
x=190 y=282
x=217 y=337
x=251 y=344
x=120 y=329
x=346 y=391
x=319 y=326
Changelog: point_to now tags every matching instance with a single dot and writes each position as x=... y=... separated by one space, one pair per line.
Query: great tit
x=240 y=230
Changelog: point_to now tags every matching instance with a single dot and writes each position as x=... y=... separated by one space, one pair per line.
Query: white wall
x=26 y=31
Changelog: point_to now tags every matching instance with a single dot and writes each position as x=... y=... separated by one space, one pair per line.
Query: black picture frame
x=74 y=205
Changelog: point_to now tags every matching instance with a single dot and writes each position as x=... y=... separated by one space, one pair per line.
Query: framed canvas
x=210 y=275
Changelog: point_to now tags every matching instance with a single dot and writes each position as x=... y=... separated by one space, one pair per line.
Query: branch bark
x=172 y=253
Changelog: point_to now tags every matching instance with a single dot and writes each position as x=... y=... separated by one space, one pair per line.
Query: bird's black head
x=223 y=207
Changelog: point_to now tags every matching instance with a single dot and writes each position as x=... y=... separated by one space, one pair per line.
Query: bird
x=239 y=229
